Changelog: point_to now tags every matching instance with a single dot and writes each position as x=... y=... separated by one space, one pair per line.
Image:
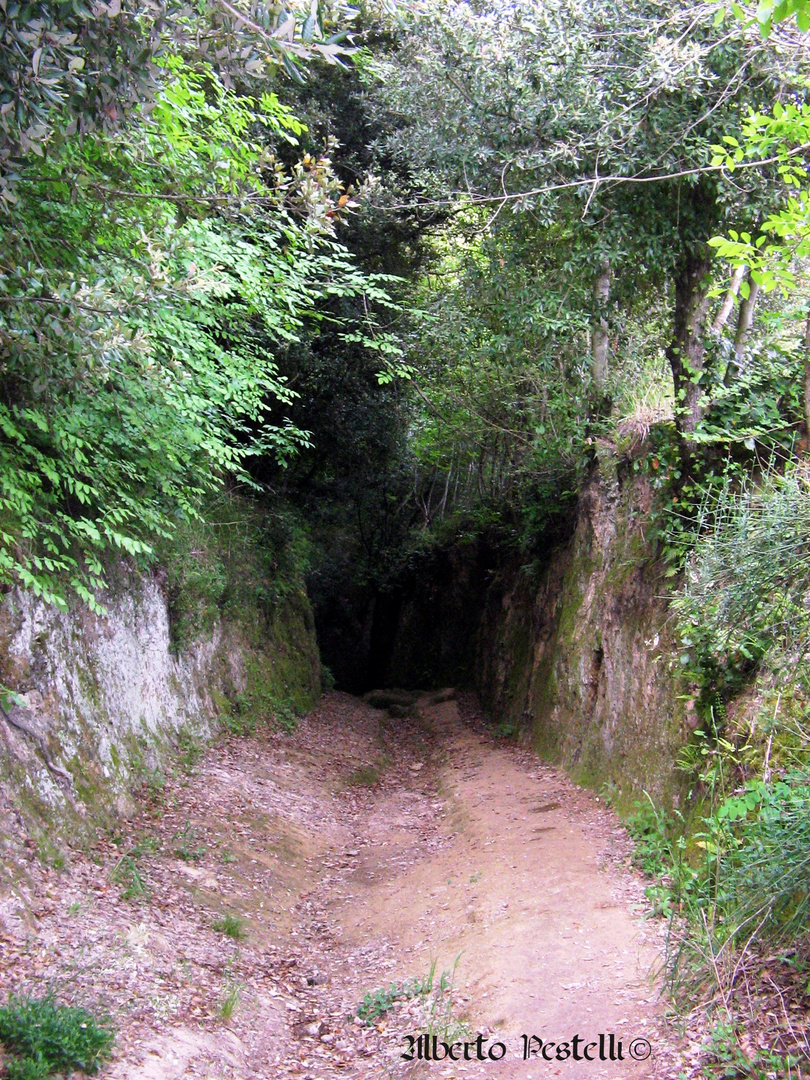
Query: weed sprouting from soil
x=229 y=1002
x=186 y=848
x=378 y=1002
x=233 y=926
x=189 y=751
x=126 y=874
x=440 y=1017
x=436 y=1002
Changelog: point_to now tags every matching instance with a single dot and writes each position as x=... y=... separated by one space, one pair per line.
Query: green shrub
x=28 y=1069
x=377 y=1003
x=768 y=875
x=328 y=681
x=259 y=705
x=661 y=853
x=737 y=880
x=730 y=1062
x=45 y=1038
x=743 y=597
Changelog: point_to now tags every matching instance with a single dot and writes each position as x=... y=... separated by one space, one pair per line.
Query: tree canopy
x=200 y=217
x=157 y=252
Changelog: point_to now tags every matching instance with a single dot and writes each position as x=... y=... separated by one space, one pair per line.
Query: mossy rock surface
x=385 y=699
x=448 y=694
x=579 y=662
x=404 y=712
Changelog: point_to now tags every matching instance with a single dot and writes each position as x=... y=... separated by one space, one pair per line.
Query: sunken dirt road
x=460 y=886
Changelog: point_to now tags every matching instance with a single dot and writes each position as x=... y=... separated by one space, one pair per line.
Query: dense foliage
x=745 y=583
x=150 y=273
x=603 y=127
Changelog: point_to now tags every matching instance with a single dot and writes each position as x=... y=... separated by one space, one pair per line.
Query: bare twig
x=611 y=179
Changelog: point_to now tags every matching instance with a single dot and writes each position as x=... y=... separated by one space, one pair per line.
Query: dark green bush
x=745 y=584
x=45 y=1038
x=28 y=1069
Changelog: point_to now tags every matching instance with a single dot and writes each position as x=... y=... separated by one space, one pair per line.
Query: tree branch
x=586 y=181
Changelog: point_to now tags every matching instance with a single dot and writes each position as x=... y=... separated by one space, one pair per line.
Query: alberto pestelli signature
x=600 y=1047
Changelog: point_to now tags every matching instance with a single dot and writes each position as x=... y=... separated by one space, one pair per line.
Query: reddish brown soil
x=360 y=852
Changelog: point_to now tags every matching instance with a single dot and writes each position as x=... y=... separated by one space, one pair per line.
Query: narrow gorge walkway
x=463 y=888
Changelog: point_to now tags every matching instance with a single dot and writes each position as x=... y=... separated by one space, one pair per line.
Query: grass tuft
x=233 y=926
x=229 y=1002
x=126 y=874
x=364 y=776
x=187 y=849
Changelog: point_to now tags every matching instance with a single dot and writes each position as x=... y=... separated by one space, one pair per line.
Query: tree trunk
x=599 y=326
x=745 y=320
x=723 y=313
x=687 y=349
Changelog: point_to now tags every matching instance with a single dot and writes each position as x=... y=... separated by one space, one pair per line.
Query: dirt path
x=471 y=892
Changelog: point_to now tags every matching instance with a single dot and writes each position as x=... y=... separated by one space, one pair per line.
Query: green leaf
x=292 y=70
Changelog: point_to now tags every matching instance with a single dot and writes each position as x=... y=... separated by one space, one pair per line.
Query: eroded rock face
x=573 y=653
x=99 y=700
x=578 y=658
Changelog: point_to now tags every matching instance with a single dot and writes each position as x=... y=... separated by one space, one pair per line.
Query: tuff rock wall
x=100 y=702
x=577 y=654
